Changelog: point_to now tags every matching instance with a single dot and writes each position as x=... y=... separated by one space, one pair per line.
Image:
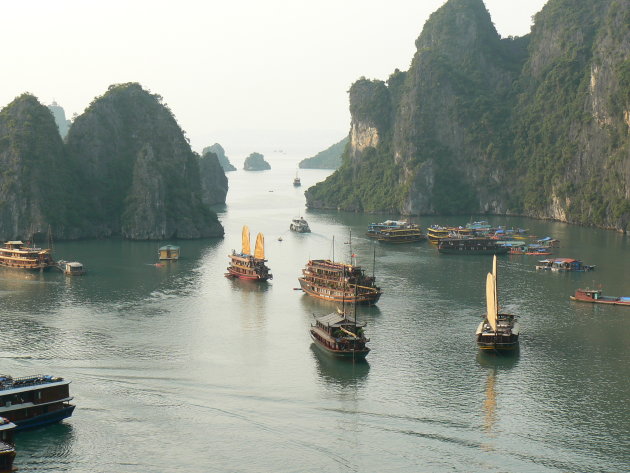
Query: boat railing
x=25 y=381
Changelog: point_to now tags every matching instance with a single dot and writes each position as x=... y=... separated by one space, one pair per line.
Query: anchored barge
x=37 y=400
x=328 y=280
x=595 y=296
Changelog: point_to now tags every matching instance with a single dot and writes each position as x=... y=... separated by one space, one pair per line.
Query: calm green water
x=177 y=368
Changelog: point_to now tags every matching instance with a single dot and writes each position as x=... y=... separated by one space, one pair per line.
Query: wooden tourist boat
x=471 y=246
x=299 y=225
x=497 y=331
x=410 y=234
x=331 y=281
x=244 y=265
x=340 y=335
x=33 y=401
x=169 y=253
x=16 y=255
x=435 y=233
x=374 y=229
x=7 y=445
x=563 y=265
x=595 y=296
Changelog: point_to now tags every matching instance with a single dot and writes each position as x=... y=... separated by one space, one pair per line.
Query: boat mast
x=374 y=262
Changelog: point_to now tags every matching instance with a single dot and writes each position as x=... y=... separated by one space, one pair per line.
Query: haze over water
x=177 y=368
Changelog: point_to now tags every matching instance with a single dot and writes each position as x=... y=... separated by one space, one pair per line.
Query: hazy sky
x=253 y=75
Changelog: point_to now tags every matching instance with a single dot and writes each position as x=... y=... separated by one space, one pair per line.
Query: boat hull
x=248 y=277
x=340 y=354
x=45 y=419
x=604 y=300
x=366 y=298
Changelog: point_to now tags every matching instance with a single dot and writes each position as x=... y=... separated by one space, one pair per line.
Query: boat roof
x=16 y=242
x=335 y=319
x=74 y=264
x=169 y=247
x=565 y=260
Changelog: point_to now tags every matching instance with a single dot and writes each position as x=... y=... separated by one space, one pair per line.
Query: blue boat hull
x=45 y=419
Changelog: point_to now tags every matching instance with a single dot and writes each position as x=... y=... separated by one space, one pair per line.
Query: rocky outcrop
x=330 y=158
x=534 y=126
x=139 y=176
x=60 y=118
x=36 y=183
x=214 y=183
x=220 y=153
x=256 y=162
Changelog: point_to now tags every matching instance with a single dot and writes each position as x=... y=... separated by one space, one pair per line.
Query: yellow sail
x=259 y=250
x=246 y=249
x=496 y=281
x=491 y=301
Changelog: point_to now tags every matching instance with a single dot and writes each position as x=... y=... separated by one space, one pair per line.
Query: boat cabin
x=73 y=268
x=169 y=252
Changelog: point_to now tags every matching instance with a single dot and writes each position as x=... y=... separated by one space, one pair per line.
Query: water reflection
x=340 y=373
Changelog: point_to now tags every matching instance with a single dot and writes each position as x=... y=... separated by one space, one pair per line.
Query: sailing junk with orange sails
x=498 y=331
x=244 y=265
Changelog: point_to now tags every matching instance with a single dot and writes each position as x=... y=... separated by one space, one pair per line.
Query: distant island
x=330 y=158
x=218 y=150
x=125 y=169
x=256 y=162
x=59 y=113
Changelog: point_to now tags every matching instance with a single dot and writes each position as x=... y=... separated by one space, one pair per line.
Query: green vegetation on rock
x=330 y=158
x=535 y=126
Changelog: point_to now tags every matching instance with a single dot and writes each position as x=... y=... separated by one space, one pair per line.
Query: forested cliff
x=536 y=126
x=126 y=169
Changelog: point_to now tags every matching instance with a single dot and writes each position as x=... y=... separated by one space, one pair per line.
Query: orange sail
x=259 y=250
x=246 y=249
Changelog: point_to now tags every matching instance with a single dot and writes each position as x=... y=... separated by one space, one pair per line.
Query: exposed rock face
x=60 y=118
x=256 y=162
x=535 y=125
x=140 y=178
x=330 y=158
x=214 y=183
x=35 y=182
x=220 y=152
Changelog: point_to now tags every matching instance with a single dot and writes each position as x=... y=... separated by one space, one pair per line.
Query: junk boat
x=33 y=401
x=339 y=335
x=168 y=253
x=244 y=265
x=296 y=181
x=331 y=281
x=470 y=246
x=497 y=331
x=299 y=225
x=563 y=264
x=7 y=445
x=437 y=233
x=15 y=254
x=595 y=296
